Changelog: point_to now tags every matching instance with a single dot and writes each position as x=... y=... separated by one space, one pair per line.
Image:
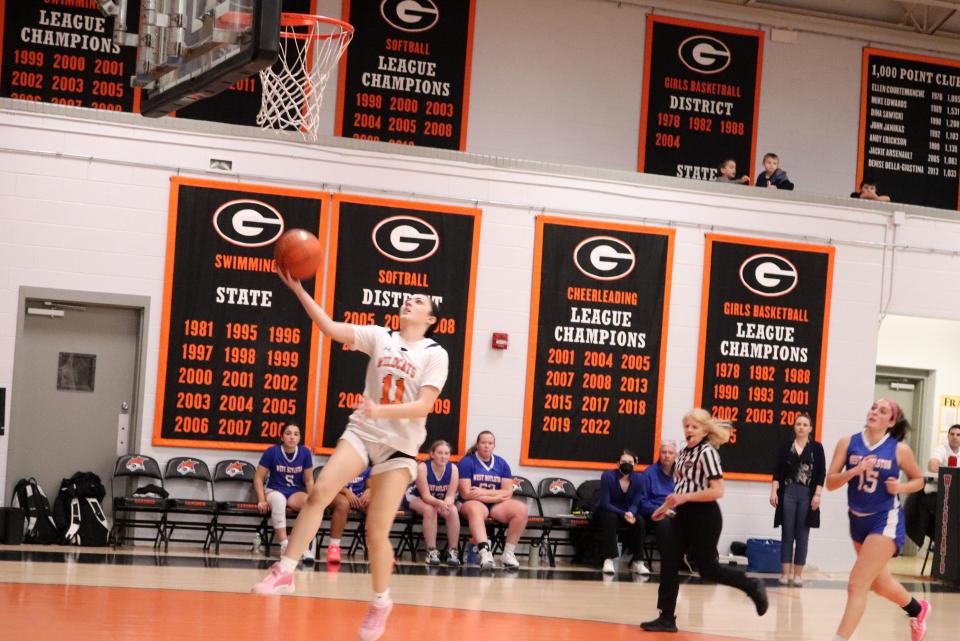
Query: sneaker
x=375 y=623
x=661 y=624
x=918 y=624
x=797 y=582
x=433 y=557
x=509 y=560
x=608 y=567
x=638 y=567
x=277 y=582
x=758 y=594
x=486 y=559
x=784 y=580
x=452 y=558
x=309 y=556
x=333 y=554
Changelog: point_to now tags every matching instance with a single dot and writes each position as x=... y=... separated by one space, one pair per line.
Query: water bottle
x=536 y=551
x=544 y=555
x=257 y=544
x=472 y=553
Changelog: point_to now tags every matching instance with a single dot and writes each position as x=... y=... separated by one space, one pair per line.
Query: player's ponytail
x=901 y=425
x=435 y=312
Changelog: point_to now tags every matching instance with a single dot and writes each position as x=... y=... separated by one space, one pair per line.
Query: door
x=74 y=383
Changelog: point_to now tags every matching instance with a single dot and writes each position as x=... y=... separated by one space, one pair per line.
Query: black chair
x=126 y=508
x=240 y=516
x=560 y=491
x=537 y=521
x=188 y=471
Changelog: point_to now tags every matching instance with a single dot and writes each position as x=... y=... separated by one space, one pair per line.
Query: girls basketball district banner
x=763 y=344
x=237 y=351
x=405 y=78
x=382 y=251
x=598 y=336
x=701 y=98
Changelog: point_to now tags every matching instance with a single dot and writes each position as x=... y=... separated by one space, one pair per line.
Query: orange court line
x=153 y=614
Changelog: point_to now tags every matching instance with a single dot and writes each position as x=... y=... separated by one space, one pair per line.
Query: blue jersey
x=438 y=486
x=359 y=484
x=867 y=493
x=286 y=470
x=487 y=476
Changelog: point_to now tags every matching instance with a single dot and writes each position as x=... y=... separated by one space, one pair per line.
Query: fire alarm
x=500 y=341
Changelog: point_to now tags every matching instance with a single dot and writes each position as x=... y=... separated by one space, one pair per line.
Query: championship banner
x=910 y=127
x=701 y=98
x=405 y=78
x=381 y=252
x=237 y=350
x=598 y=337
x=763 y=344
x=64 y=53
x=240 y=103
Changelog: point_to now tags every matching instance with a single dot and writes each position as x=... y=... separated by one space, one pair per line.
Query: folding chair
x=553 y=490
x=241 y=515
x=127 y=507
x=184 y=471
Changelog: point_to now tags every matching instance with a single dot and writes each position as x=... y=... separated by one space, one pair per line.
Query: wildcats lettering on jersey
x=398 y=363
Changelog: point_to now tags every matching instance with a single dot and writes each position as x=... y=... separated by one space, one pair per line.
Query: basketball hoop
x=310 y=47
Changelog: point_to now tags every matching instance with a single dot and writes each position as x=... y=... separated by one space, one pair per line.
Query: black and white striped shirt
x=696 y=466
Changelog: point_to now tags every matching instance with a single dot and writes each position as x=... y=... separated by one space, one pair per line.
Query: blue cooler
x=763 y=555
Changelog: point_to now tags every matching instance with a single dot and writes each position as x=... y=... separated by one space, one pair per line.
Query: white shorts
x=382 y=458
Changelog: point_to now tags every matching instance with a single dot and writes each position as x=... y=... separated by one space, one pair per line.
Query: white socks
x=287 y=564
x=283 y=545
x=333 y=542
x=381 y=598
x=508 y=548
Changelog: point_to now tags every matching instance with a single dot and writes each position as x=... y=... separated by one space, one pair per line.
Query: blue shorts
x=889 y=523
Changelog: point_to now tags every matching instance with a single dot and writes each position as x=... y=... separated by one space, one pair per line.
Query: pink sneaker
x=333 y=554
x=375 y=622
x=277 y=582
x=918 y=624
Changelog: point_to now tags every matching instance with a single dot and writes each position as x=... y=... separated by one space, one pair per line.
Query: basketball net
x=310 y=47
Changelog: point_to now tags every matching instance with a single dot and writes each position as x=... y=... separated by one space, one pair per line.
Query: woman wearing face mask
x=618 y=506
x=797 y=484
x=697 y=520
x=289 y=466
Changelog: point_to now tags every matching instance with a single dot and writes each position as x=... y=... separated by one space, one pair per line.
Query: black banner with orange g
x=598 y=325
x=237 y=351
x=381 y=252
x=763 y=344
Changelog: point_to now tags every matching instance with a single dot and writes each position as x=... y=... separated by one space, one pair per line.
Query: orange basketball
x=299 y=253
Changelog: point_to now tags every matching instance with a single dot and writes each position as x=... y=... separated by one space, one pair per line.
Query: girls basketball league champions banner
x=237 y=351
x=381 y=252
x=763 y=344
x=598 y=336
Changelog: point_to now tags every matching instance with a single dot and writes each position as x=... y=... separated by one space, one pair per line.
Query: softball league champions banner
x=405 y=78
x=237 y=351
x=763 y=344
x=598 y=336
x=381 y=252
x=701 y=98
x=910 y=127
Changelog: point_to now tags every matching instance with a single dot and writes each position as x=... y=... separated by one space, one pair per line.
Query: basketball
x=298 y=252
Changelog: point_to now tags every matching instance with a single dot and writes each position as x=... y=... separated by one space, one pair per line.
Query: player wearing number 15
x=406 y=372
x=869 y=464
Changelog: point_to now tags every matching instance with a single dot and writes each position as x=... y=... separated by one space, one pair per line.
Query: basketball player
x=697 y=520
x=869 y=464
x=290 y=469
x=433 y=496
x=405 y=373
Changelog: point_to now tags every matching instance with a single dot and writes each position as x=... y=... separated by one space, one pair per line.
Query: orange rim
x=290 y=21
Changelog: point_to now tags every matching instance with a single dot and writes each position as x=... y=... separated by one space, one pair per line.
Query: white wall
x=929 y=344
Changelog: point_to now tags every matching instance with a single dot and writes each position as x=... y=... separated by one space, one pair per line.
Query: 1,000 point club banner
x=598 y=335
x=381 y=252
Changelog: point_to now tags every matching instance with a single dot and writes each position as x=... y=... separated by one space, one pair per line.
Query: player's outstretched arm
x=340 y=332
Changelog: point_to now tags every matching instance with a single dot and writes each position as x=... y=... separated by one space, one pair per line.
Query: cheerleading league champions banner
x=237 y=351
x=381 y=252
x=763 y=344
x=598 y=335
x=701 y=98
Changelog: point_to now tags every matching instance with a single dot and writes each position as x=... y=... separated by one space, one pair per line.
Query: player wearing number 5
x=869 y=464
x=406 y=372
x=289 y=466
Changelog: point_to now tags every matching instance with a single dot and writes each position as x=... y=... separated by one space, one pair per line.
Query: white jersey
x=396 y=372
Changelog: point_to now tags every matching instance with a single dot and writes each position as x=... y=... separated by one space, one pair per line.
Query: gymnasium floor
x=54 y=593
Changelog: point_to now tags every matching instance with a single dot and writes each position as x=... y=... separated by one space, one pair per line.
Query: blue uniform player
x=434 y=495
x=869 y=464
x=283 y=480
x=355 y=495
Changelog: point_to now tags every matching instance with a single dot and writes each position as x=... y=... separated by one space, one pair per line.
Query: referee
x=697 y=525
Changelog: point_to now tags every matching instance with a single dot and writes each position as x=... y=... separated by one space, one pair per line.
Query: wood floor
x=62 y=593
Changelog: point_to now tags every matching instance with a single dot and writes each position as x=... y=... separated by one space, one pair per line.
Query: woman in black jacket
x=797 y=484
